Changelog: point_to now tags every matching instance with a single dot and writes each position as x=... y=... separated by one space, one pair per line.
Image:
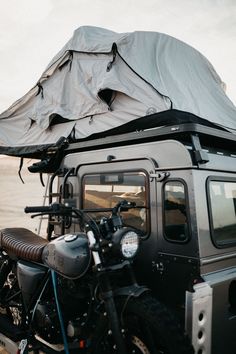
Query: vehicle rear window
x=105 y=190
x=222 y=202
x=175 y=212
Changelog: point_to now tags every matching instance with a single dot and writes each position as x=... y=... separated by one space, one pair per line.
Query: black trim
x=135 y=72
x=178 y=125
x=30 y=151
x=209 y=206
x=180 y=180
x=160 y=119
x=131 y=133
x=44 y=152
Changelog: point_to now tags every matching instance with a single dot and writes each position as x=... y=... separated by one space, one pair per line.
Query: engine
x=46 y=321
x=74 y=298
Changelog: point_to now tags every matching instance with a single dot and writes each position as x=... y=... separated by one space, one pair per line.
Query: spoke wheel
x=139 y=345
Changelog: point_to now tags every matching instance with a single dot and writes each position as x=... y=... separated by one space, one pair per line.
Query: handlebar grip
x=38 y=209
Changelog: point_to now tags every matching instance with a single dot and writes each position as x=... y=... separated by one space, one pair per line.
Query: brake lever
x=46 y=213
x=56 y=213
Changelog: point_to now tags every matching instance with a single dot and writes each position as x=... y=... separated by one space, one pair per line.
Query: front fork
x=108 y=298
x=111 y=312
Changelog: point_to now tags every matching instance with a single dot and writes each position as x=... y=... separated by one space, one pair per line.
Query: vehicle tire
x=149 y=328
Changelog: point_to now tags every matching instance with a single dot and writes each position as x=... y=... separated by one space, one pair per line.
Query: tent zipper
x=114 y=52
x=161 y=94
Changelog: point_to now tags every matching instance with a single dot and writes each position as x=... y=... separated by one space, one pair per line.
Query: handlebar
x=53 y=208
x=61 y=208
x=37 y=209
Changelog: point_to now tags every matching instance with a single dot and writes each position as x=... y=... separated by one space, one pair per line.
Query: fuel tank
x=69 y=255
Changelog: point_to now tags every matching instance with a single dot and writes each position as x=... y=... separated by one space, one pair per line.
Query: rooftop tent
x=102 y=81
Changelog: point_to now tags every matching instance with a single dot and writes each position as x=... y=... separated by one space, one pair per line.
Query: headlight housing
x=129 y=244
x=126 y=242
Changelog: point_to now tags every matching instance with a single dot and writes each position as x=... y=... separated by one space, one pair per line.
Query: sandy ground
x=14 y=195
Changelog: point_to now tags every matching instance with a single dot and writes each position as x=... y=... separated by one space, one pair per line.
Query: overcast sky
x=31 y=32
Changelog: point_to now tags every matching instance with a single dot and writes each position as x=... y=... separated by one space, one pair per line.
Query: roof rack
x=196 y=135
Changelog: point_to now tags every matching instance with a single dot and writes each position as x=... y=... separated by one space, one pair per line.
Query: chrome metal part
x=159 y=176
x=92 y=242
x=56 y=347
x=198 y=317
x=8 y=345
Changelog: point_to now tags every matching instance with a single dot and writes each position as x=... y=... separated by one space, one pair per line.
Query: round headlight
x=129 y=244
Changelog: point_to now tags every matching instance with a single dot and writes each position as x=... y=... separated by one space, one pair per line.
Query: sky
x=32 y=32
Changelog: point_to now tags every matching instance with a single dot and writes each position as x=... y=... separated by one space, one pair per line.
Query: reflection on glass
x=175 y=218
x=223 y=210
x=106 y=190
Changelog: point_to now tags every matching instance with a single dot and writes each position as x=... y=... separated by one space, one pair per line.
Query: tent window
x=107 y=96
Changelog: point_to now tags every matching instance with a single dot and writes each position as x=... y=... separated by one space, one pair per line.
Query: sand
x=14 y=195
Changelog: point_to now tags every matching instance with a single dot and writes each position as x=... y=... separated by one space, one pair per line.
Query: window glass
x=106 y=190
x=223 y=211
x=175 y=213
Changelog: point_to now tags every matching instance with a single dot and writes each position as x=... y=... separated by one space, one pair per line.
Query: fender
x=133 y=290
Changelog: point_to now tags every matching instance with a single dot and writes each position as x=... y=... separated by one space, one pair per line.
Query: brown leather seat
x=22 y=243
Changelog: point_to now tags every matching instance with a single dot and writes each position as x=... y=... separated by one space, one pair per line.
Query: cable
x=54 y=283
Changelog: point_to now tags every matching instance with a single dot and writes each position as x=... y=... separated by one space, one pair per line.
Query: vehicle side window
x=175 y=212
x=222 y=202
x=106 y=190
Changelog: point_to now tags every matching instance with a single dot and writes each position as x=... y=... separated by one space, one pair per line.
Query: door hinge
x=159 y=176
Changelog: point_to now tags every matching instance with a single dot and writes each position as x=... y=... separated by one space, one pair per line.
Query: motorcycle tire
x=149 y=328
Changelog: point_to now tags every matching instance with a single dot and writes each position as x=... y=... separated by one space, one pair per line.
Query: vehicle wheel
x=149 y=328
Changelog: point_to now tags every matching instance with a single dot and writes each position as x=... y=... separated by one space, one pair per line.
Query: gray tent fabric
x=101 y=80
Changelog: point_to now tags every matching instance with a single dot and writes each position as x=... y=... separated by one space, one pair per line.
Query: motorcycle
x=78 y=292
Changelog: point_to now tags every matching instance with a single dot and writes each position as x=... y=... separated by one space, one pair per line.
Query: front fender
x=130 y=291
